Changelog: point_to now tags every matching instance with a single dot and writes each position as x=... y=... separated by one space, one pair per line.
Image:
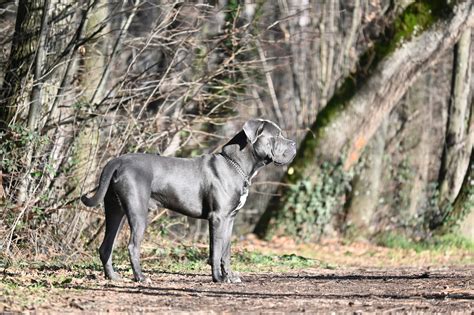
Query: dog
x=212 y=187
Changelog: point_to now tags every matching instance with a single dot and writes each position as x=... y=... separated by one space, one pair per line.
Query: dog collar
x=237 y=167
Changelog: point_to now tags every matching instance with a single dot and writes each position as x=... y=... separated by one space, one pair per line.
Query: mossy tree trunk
x=421 y=34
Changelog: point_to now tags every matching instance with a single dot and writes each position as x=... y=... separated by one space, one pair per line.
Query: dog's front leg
x=216 y=245
x=227 y=273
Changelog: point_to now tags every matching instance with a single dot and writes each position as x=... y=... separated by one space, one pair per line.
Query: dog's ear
x=253 y=128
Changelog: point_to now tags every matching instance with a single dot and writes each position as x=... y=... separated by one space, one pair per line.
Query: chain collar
x=238 y=168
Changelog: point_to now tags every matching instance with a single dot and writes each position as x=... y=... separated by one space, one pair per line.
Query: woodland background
x=377 y=93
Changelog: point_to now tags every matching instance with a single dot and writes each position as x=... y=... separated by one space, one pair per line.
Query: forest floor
x=278 y=277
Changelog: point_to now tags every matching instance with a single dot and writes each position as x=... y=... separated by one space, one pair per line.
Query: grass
x=249 y=261
x=436 y=244
x=183 y=258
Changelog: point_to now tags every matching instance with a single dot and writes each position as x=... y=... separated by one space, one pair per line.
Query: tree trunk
x=23 y=82
x=458 y=144
x=343 y=128
x=464 y=203
x=418 y=159
x=34 y=111
x=17 y=83
x=366 y=189
x=452 y=214
x=92 y=73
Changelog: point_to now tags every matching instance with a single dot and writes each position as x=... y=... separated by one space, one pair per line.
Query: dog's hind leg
x=114 y=218
x=136 y=210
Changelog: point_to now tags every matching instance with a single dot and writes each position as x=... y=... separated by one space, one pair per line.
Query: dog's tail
x=105 y=178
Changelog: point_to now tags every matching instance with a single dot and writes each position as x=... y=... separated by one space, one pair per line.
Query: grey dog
x=212 y=187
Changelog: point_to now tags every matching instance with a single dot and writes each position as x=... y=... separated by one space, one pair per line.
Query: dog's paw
x=232 y=278
x=114 y=277
x=143 y=280
x=235 y=280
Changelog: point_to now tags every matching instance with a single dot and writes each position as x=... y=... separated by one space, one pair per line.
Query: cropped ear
x=253 y=128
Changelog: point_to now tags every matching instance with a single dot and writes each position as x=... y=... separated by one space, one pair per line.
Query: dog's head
x=268 y=143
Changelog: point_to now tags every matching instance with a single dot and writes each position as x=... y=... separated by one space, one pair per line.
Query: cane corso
x=212 y=187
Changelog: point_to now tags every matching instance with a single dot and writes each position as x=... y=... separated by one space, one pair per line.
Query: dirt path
x=349 y=289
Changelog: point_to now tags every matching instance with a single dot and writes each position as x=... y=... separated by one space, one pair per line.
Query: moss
x=417 y=17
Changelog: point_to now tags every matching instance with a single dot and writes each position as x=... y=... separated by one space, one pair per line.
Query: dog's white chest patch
x=242 y=200
x=245 y=194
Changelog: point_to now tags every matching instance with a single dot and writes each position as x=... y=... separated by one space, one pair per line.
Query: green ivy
x=312 y=204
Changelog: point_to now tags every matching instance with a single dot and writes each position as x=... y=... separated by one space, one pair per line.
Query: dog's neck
x=239 y=150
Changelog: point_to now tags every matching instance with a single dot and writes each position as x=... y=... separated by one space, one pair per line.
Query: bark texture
x=366 y=188
x=464 y=203
x=458 y=140
x=17 y=84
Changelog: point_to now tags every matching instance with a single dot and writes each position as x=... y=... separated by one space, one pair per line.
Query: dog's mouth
x=283 y=152
x=286 y=159
x=282 y=163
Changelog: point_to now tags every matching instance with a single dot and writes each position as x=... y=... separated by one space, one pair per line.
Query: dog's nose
x=293 y=143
